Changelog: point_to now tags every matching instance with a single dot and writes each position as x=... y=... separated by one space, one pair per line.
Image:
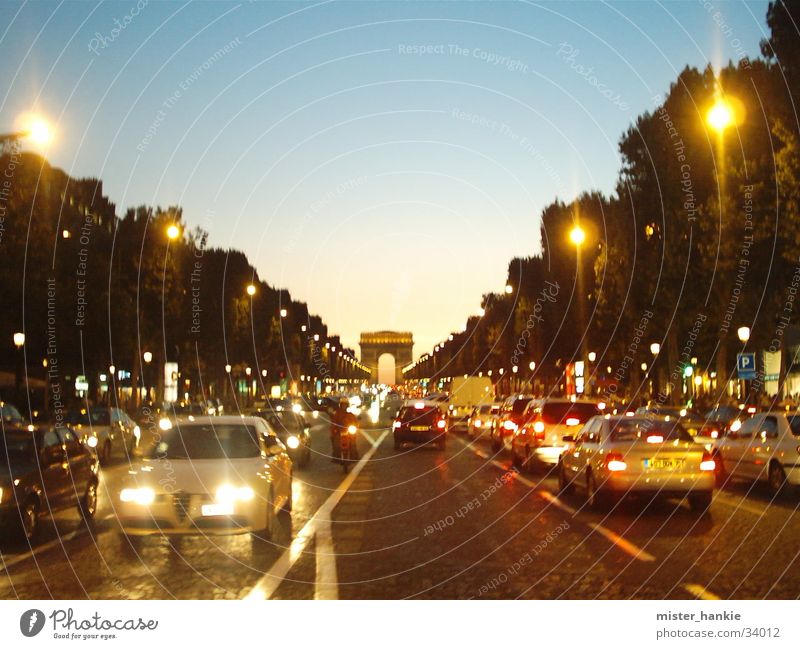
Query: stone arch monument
x=399 y=344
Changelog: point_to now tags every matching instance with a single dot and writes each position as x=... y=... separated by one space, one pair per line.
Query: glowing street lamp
x=532 y=366
x=284 y=313
x=577 y=235
x=251 y=289
x=743 y=333
x=592 y=357
x=655 y=349
x=19 y=339
x=509 y=289
x=173 y=232
x=147 y=357
x=721 y=115
x=228 y=369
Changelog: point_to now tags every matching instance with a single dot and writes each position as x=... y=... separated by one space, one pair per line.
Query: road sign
x=746 y=366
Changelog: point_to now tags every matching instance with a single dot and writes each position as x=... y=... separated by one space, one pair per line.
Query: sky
x=382 y=161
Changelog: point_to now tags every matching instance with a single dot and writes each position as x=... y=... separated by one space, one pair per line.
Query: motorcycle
x=348 y=452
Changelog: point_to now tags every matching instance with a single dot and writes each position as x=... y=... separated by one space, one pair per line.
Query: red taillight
x=707 y=463
x=614 y=462
x=440 y=423
x=396 y=424
x=509 y=425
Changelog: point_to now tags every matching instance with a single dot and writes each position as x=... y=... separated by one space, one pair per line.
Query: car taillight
x=441 y=423
x=655 y=439
x=707 y=463
x=509 y=425
x=614 y=462
x=396 y=424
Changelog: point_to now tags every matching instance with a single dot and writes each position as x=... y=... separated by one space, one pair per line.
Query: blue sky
x=382 y=161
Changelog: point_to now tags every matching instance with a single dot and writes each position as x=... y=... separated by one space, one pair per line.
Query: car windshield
x=100 y=417
x=207 y=442
x=519 y=405
x=284 y=423
x=10 y=413
x=16 y=445
x=794 y=424
x=558 y=413
x=634 y=430
x=421 y=415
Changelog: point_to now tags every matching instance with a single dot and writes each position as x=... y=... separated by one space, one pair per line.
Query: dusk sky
x=382 y=161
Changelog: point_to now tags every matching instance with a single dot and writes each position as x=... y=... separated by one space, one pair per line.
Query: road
x=428 y=524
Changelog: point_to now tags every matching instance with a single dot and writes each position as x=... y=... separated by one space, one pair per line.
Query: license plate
x=420 y=428
x=217 y=510
x=662 y=463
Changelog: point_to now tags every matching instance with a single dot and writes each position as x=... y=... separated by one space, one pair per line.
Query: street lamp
x=509 y=289
x=19 y=339
x=228 y=369
x=743 y=333
x=251 y=289
x=147 y=356
x=173 y=232
x=655 y=348
x=577 y=235
x=19 y=343
x=284 y=313
x=592 y=357
x=721 y=115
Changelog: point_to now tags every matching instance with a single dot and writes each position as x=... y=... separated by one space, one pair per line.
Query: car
x=10 y=414
x=509 y=420
x=727 y=418
x=480 y=420
x=614 y=457
x=704 y=432
x=107 y=429
x=765 y=447
x=293 y=431
x=549 y=425
x=420 y=423
x=208 y=475
x=44 y=469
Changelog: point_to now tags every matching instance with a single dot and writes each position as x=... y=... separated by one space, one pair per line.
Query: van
x=467 y=393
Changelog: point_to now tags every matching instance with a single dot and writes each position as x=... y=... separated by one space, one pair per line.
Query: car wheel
x=516 y=461
x=265 y=534
x=720 y=475
x=777 y=477
x=88 y=504
x=565 y=485
x=595 y=498
x=105 y=454
x=700 y=502
x=29 y=519
x=287 y=506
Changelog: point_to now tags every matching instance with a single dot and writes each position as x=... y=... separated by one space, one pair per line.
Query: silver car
x=617 y=456
x=764 y=447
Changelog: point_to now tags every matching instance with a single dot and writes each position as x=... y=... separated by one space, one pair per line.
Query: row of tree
x=91 y=290
x=699 y=238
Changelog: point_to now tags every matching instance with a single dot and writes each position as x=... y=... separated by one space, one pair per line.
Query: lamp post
x=743 y=334
x=655 y=350
x=147 y=357
x=578 y=236
x=19 y=343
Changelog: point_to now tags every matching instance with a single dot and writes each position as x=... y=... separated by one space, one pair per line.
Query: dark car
x=10 y=414
x=44 y=470
x=293 y=432
x=421 y=423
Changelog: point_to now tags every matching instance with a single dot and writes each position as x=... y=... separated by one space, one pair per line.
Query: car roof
x=207 y=420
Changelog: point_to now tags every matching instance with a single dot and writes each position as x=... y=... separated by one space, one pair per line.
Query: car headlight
x=164 y=423
x=139 y=496
x=228 y=494
x=137 y=432
x=315 y=414
x=91 y=441
x=296 y=409
x=292 y=441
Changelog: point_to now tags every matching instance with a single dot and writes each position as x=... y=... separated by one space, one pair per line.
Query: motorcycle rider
x=341 y=419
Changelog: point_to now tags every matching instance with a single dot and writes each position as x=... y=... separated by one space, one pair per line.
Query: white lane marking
x=729 y=501
x=699 y=592
x=326 y=583
x=369 y=439
x=5 y=564
x=622 y=543
x=269 y=583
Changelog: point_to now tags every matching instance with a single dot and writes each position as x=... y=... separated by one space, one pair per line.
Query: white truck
x=466 y=393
